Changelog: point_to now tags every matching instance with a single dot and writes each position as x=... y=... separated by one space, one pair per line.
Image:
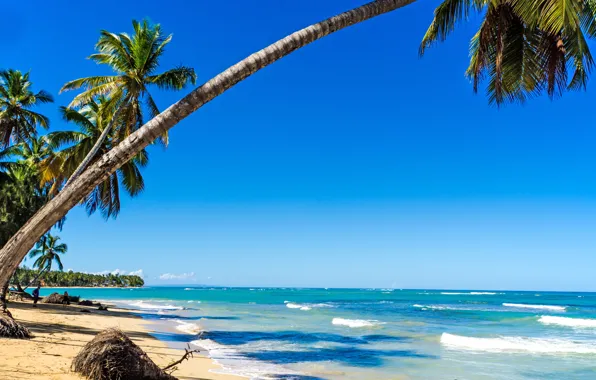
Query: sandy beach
x=60 y=332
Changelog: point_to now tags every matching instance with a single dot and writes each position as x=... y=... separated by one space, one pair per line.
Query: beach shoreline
x=60 y=333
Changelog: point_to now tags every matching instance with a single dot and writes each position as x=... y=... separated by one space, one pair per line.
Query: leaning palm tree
x=14 y=251
x=135 y=61
x=522 y=47
x=92 y=120
x=46 y=252
x=17 y=121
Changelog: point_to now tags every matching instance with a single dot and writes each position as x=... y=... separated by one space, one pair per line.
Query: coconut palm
x=135 y=61
x=523 y=47
x=92 y=120
x=17 y=121
x=30 y=153
x=46 y=252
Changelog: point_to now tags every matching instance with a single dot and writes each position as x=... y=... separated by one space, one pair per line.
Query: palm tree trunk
x=17 y=247
x=16 y=282
x=95 y=147
x=4 y=297
x=41 y=272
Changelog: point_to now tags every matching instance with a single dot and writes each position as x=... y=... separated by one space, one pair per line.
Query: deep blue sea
x=376 y=334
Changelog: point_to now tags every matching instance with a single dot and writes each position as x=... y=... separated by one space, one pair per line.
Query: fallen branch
x=188 y=354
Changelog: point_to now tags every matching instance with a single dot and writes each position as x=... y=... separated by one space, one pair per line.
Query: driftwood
x=188 y=354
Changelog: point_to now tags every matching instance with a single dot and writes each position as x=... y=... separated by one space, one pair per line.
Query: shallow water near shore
x=383 y=334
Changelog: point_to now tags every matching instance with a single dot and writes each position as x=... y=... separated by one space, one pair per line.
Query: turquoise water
x=378 y=334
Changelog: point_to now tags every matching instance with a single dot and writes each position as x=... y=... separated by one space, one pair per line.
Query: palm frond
x=175 y=79
x=89 y=82
x=131 y=178
x=446 y=17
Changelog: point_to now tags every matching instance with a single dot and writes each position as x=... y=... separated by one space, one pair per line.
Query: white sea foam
x=517 y=344
x=305 y=307
x=186 y=327
x=291 y=305
x=569 y=322
x=355 y=323
x=321 y=305
x=149 y=306
x=542 y=307
x=233 y=362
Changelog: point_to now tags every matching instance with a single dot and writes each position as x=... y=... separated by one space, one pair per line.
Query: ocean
x=376 y=334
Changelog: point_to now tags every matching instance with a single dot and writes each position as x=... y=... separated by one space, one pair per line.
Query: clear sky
x=350 y=163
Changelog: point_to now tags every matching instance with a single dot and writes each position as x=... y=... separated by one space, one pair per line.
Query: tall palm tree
x=17 y=121
x=523 y=47
x=135 y=61
x=46 y=252
x=92 y=120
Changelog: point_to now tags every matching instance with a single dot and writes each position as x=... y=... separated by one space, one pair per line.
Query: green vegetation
x=48 y=251
x=45 y=253
x=70 y=278
x=18 y=122
x=135 y=61
x=524 y=48
x=33 y=169
x=92 y=119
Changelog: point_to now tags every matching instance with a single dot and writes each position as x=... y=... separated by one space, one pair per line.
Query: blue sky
x=350 y=163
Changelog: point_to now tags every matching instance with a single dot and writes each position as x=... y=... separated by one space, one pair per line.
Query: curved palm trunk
x=41 y=272
x=96 y=147
x=18 y=246
x=4 y=297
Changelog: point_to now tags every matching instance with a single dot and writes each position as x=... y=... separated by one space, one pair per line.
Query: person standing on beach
x=66 y=299
x=36 y=295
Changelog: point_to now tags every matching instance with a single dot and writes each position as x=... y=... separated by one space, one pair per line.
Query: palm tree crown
x=17 y=122
x=48 y=251
x=92 y=119
x=523 y=47
x=135 y=60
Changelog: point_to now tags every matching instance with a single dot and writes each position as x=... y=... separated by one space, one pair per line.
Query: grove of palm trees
x=35 y=168
x=522 y=50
